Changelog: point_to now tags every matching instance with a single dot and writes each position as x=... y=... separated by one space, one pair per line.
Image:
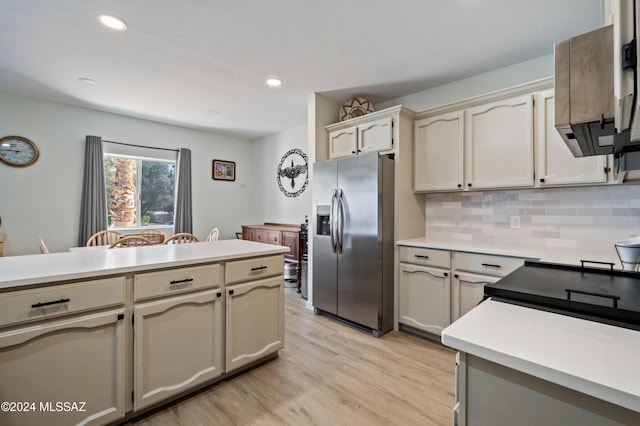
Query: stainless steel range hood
x=595 y=83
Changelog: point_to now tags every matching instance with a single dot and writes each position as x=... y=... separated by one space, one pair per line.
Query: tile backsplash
x=585 y=217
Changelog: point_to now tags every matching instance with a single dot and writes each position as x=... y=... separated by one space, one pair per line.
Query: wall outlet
x=515 y=222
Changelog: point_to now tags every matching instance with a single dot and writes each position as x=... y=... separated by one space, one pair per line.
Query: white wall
x=271 y=204
x=513 y=75
x=44 y=199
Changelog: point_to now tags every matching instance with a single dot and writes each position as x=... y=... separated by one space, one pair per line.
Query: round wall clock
x=18 y=151
x=293 y=173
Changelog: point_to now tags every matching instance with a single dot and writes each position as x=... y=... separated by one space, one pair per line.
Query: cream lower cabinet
x=254 y=321
x=424 y=289
x=471 y=272
x=178 y=343
x=467 y=291
x=63 y=372
x=555 y=164
x=424 y=297
x=499 y=144
x=63 y=354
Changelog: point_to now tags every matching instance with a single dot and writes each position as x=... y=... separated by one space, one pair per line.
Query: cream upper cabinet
x=343 y=143
x=555 y=163
x=374 y=132
x=438 y=152
x=499 y=144
x=376 y=135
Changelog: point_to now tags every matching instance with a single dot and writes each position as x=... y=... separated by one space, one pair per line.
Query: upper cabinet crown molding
x=384 y=113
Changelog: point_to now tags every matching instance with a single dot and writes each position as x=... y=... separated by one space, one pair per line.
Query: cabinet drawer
x=242 y=270
x=266 y=236
x=425 y=256
x=174 y=281
x=48 y=302
x=487 y=264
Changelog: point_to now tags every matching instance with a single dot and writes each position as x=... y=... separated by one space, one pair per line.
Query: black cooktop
x=604 y=295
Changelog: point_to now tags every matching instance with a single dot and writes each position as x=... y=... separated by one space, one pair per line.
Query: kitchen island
x=94 y=337
x=519 y=365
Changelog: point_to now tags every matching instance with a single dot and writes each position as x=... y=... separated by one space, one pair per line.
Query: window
x=140 y=191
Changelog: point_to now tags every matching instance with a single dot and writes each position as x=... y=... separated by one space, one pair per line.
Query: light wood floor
x=329 y=374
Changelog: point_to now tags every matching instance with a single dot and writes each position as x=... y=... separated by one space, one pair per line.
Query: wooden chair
x=181 y=238
x=156 y=236
x=43 y=247
x=104 y=238
x=214 y=235
x=131 y=241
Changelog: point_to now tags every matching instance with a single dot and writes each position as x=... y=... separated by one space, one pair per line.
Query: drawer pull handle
x=258 y=268
x=420 y=256
x=186 y=280
x=55 y=302
x=489 y=265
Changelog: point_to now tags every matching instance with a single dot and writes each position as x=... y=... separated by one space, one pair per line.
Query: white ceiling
x=180 y=59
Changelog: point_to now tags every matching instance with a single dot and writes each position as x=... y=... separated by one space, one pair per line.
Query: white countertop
x=592 y=358
x=20 y=271
x=570 y=256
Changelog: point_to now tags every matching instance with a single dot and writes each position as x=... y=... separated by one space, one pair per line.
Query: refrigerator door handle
x=340 y=223
x=332 y=228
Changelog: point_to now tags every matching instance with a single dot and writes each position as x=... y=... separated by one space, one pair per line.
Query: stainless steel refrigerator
x=353 y=240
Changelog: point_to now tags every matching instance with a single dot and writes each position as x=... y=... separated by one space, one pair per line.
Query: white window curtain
x=182 y=216
x=93 y=207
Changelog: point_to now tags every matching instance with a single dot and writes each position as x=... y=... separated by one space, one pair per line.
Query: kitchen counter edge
x=30 y=271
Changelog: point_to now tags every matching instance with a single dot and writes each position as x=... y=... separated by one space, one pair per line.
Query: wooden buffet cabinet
x=280 y=234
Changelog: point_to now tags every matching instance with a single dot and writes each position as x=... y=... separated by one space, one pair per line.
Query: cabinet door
x=78 y=361
x=438 y=152
x=555 y=163
x=375 y=136
x=499 y=144
x=255 y=321
x=343 y=143
x=468 y=291
x=178 y=344
x=424 y=298
x=291 y=240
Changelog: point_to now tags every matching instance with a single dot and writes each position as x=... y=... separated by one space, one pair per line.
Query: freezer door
x=359 y=254
x=325 y=261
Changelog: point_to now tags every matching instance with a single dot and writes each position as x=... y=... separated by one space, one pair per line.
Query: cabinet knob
x=469 y=184
x=459 y=185
x=541 y=180
x=353 y=152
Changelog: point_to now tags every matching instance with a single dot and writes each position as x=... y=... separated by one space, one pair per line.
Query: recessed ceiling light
x=112 y=22
x=213 y=112
x=274 y=82
x=87 y=81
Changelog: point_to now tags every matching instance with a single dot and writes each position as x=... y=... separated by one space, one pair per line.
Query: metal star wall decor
x=292 y=173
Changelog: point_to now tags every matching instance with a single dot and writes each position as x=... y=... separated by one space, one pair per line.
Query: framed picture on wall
x=224 y=170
